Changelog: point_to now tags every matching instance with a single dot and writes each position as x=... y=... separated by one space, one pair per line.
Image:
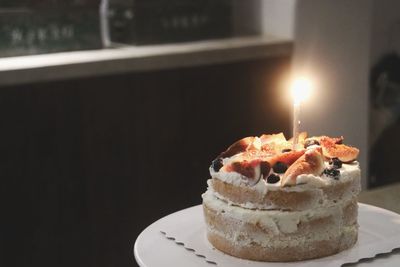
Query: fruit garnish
x=274 y=143
x=272 y=138
x=273 y=178
x=335 y=163
x=333 y=173
x=312 y=162
x=216 y=164
x=280 y=167
x=265 y=168
x=311 y=142
x=331 y=148
x=254 y=154
x=255 y=144
x=330 y=140
x=269 y=149
x=249 y=169
x=237 y=147
x=288 y=158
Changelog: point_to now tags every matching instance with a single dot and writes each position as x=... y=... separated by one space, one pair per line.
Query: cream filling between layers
x=264 y=241
x=282 y=223
x=278 y=221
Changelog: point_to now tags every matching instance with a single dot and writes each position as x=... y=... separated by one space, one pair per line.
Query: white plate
x=179 y=239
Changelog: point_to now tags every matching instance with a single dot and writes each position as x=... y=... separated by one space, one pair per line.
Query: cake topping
x=249 y=169
x=237 y=147
x=335 y=163
x=332 y=148
x=287 y=158
x=265 y=168
x=273 y=178
x=310 y=142
x=253 y=158
x=333 y=173
x=245 y=168
x=312 y=162
x=280 y=167
x=272 y=138
x=217 y=164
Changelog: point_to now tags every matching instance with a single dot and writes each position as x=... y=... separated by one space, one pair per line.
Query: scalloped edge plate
x=179 y=239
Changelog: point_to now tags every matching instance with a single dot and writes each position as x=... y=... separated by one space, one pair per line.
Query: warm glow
x=301 y=88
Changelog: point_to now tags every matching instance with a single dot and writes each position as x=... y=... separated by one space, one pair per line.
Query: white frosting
x=311 y=180
x=283 y=224
x=247 y=205
x=279 y=221
x=241 y=239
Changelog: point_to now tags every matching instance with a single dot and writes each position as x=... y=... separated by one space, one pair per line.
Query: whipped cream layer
x=282 y=225
x=241 y=240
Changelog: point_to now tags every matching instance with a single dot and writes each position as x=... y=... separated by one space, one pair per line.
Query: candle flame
x=301 y=88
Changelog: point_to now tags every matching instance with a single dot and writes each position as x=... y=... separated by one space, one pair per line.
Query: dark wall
x=87 y=164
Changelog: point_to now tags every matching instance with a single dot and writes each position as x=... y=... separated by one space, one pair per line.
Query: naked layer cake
x=270 y=201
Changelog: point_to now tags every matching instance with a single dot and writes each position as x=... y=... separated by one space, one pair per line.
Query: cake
x=268 y=200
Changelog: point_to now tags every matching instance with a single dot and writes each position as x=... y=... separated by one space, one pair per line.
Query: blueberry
x=336 y=163
x=216 y=164
x=310 y=142
x=333 y=173
x=273 y=178
x=286 y=150
x=280 y=167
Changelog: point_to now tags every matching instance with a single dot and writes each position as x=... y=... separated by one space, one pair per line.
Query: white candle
x=296 y=123
x=300 y=88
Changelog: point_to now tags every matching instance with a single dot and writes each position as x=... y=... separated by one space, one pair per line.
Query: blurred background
x=111 y=111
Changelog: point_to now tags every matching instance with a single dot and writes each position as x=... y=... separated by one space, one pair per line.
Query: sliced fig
x=276 y=148
x=342 y=152
x=333 y=148
x=312 y=162
x=255 y=145
x=252 y=170
x=265 y=168
x=269 y=149
x=288 y=157
x=311 y=142
x=326 y=140
x=237 y=147
x=269 y=138
x=275 y=143
x=250 y=155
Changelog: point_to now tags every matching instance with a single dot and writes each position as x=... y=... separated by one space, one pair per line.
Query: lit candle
x=300 y=89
